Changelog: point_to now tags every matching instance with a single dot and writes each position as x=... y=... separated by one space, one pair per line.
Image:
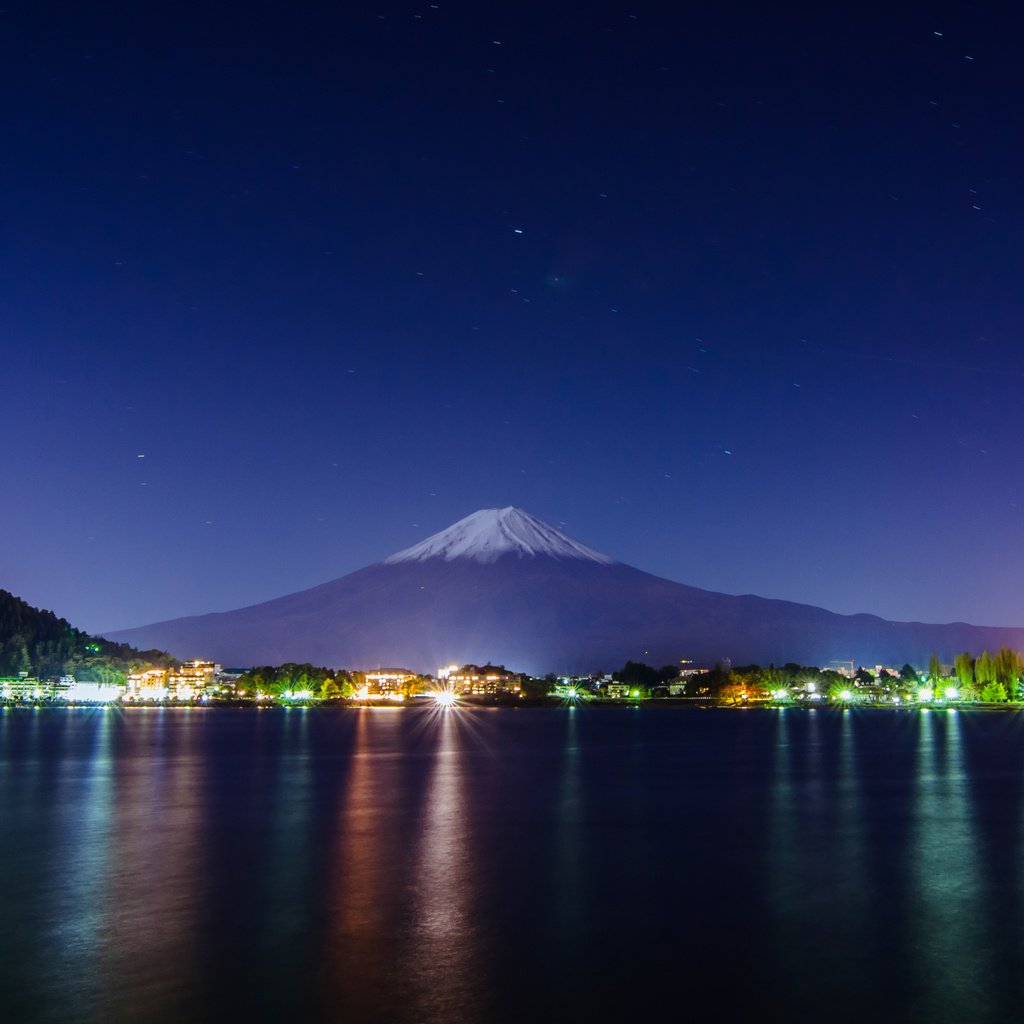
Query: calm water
x=510 y=865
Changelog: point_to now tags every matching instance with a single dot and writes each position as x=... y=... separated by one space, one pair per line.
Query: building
x=23 y=687
x=617 y=690
x=477 y=681
x=150 y=685
x=389 y=682
x=191 y=680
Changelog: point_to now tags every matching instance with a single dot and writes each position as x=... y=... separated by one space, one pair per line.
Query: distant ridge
x=502 y=586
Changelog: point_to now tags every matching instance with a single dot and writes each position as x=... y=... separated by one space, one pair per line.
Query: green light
x=846 y=695
x=926 y=693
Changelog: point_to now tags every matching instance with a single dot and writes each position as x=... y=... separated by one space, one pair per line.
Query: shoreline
x=664 y=703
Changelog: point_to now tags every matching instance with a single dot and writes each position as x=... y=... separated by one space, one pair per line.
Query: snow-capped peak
x=487 y=535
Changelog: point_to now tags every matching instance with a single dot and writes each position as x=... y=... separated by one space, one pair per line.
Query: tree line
x=35 y=641
x=992 y=678
x=988 y=678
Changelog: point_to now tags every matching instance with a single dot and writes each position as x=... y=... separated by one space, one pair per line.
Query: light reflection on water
x=952 y=966
x=81 y=906
x=445 y=930
x=153 y=867
x=570 y=854
x=501 y=866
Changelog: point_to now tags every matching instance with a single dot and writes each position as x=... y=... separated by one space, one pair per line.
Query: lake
x=510 y=865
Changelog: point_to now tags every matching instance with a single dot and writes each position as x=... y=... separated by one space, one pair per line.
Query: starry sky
x=730 y=293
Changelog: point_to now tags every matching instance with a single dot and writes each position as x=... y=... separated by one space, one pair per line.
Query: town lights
x=925 y=694
x=444 y=698
x=846 y=695
x=951 y=693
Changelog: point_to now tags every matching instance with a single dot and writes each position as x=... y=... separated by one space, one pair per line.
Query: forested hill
x=34 y=640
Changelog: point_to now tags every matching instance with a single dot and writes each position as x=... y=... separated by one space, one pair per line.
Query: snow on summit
x=491 y=533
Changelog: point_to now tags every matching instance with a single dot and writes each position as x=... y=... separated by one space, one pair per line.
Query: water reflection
x=445 y=932
x=83 y=859
x=379 y=867
x=815 y=855
x=155 y=867
x=849 y=854
x=782 y=862
x=368 y=875
x=951 y=971
x=569 y=853
x=361 y=881
x=286 y=878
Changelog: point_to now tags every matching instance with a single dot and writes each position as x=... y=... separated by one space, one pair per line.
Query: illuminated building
x=388 y=682
x=474 y=681
x=190 y=680
x=24 y=687
x=187 y=682
x=150 y=685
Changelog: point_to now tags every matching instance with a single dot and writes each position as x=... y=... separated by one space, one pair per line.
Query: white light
x=951 y=693
x=444 y=698
x=92 y=693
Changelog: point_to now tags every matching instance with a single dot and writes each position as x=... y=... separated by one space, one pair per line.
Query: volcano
x=502 y=586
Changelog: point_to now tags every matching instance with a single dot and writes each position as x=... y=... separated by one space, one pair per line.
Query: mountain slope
x=36 y=641
x=501 y=586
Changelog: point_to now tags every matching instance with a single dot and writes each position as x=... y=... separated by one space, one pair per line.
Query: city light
x=951 y=693
x=444 y=698
x=925 y=694
x=92 y=693
x=846 y=695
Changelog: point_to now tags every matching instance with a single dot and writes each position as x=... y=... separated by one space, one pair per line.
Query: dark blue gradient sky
x=730 y=294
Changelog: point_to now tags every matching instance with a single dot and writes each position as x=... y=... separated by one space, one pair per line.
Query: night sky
x=732 y=295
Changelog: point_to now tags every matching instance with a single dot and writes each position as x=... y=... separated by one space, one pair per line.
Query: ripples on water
x=507 y=866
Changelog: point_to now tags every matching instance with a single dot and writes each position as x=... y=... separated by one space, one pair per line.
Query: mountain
x=505 y=587
x=35 y=641
x=492 y=533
